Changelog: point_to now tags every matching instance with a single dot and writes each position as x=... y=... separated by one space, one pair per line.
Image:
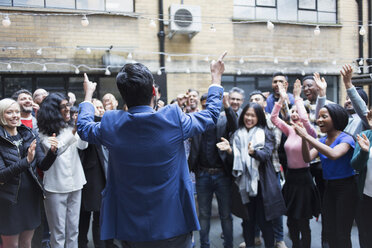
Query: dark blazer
x=226 y=124
x=12 y=165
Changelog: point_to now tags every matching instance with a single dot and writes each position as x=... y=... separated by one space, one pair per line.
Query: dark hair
x=135 y=84
x=21 y=91
x=256 y=92
x=362 y=94
x=158 y=88
x=279 y=73
x=237 y=90
x=308 y=77
x=74 y=109
x=191 y=90
x=261 y=118
x=49 y=117
x=339 y=115
x=204 y=97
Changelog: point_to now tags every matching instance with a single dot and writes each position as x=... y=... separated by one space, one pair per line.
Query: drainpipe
x=369 y=61
x=162 y=79
x=360 y=22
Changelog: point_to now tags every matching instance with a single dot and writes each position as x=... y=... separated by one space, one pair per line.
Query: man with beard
x=24 y=99
x=192 y=101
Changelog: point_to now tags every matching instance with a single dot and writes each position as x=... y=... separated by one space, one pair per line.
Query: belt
x=211 y=171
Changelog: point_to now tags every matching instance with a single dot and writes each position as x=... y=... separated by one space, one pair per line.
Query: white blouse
x=66 y=174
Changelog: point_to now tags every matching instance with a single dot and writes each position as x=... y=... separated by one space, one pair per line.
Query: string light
x=276 y=61
x=334 y=62
x=88 y=50
x=362 y=31
x=39 y=52
x=212 y=28
x=241 y=61
x=206 y=59
x=303 y=73
x=239 y=72
x=6 y=21
x=159 y=72
x=44 y=68
x=77 y=71
x=169 y=59
x=187 y=70
x=361 y=62
x=152 y=24
x=317 y=31
x=270 y=26
x=9 y=67
x=84 y=21
x=129 y=56
x=306 y=62
x=107 y=72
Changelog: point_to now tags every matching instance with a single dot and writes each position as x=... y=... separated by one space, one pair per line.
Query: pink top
x=293 y=144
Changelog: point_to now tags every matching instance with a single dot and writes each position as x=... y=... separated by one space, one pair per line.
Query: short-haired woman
x=20 y=188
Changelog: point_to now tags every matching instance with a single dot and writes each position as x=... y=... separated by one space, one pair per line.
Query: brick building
x=46 y=45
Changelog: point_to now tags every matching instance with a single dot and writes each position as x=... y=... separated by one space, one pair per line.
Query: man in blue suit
x=148 y=200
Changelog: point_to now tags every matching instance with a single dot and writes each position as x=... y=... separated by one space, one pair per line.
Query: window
x=97 y=5
x=314 y=11
x=250 y=83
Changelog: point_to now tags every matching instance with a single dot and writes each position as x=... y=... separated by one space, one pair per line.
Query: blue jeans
x=206 y=185
x=278 y=223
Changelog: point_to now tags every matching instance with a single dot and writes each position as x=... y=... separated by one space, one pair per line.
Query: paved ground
x=217 y=242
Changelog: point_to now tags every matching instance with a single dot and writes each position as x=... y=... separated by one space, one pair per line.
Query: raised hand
x=89 y=88
x=369 y=118
x=224 y=145
x=217 y=69
x=53 y=143
x=225 y=100
x=282 y=92
x=31 y=152
x=321 y=84
x=347 y=73
x=297 y=88
x=250 y=148
x=363 y=142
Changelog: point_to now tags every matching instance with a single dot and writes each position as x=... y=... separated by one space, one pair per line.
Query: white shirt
x=368 y=182
x=66 y=174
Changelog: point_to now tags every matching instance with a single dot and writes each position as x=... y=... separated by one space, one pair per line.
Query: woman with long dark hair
x=254 y=173
x=335 y=151
x=300 y=194
x=20 y=188
x=64 y=180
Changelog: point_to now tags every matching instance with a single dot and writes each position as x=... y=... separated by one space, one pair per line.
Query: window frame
x=266 y=6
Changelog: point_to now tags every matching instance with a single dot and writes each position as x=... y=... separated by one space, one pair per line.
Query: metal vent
x=183 y=18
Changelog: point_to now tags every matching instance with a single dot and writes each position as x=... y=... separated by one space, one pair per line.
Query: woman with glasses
x=64 y=180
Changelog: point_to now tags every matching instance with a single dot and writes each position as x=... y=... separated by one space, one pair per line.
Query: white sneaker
x=242 y=245
x=281 y=244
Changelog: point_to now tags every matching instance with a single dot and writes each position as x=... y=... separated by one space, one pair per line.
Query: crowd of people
x=129 y=170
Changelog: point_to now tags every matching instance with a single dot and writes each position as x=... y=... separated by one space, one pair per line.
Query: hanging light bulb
x=77 y=71
x=88 y=50
x=306 y=62
x=303 y=73
x=129 y=56
x=317 y=31
x=270 y=26
x=359 y=70
x=276 y=61
x=45 y=68
x=39 y=51
x=239 y=72
x=6 y=21
x=212 y=28
x=206 y=59
x=159 y=72
x=9 y=67
x=187 y=70
x=107 y=72
x=241 y=61
x=361 y=62
x=362 y=31
x=152 y=23
x=84 y=21
x=334 y=62
x=169 y=59
x=324 y=72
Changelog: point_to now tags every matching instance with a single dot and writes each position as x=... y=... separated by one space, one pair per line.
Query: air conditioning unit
x=184 y=19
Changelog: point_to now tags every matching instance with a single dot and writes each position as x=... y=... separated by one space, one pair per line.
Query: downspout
x=369 y=60
x=360 y=22
x=161 y=35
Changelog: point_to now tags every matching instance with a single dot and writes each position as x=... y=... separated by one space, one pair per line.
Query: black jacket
x=12 y=165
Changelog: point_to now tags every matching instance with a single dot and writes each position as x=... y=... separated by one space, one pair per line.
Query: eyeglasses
x=235 y=99
x=65 y=106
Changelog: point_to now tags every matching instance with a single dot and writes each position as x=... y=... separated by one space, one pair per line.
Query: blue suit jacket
x=148 y=195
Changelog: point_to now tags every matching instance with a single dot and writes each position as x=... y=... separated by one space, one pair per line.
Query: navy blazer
x=149 y=194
